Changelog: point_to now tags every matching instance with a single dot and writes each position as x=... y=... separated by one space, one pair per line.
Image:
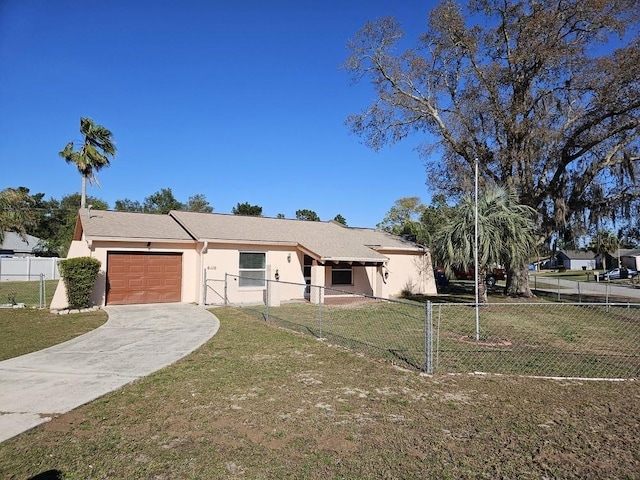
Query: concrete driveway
x=136 y=341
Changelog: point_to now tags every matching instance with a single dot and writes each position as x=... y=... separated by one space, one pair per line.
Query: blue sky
x=243 y=101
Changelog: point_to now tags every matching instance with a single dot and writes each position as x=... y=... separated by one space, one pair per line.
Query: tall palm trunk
x=83 y=192
x=518 y=282
x=483 y=296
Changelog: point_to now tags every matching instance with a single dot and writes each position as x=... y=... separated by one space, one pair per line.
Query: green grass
x=260 y=402
x=28 y=330
x=529 y=339
x=27 y=292
x=575 y=275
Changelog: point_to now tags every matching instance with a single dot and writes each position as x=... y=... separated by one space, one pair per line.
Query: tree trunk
x=83 y=192
x=482 y=286
x=518 y=282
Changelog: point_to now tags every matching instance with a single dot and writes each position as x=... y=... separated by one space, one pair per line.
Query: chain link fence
x=551 y=339
x=587 y=290
x=589 y=340
x=16 y=292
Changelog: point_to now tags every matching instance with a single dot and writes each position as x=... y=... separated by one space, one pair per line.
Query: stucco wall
x=414 y=272
x=78 y=248
x=362 y=277
x=222 y=259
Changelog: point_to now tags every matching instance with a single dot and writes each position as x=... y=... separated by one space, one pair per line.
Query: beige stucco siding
x=362 y=281
x=409 y=271
x=78 y=248
x=222 y=259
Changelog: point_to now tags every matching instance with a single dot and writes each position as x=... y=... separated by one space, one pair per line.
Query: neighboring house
x=630 y=258
x=625 y=257
x=203 y=257
x=575 y=260
x=13 y=245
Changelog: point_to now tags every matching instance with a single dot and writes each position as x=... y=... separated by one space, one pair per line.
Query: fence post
x=42 y=290
x=428 y=338
x=320 y=312
x=203 y=297
x=579 y=293
x=226 y=299
x=268 y=299
x=558 y=289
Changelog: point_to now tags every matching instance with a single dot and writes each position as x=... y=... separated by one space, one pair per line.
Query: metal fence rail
x=587 y=340
x=15 y=292
x=588 y=290
x=390 y=329
x=545 y=339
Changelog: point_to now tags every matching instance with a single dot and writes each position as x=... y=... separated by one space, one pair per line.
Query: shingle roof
x=629 y=252
x=128 y=225
x=327 y=240
x=381 y=240
x=578 y=254
x=13 y=241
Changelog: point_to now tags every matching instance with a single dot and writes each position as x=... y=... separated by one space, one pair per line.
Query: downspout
x=203 y=285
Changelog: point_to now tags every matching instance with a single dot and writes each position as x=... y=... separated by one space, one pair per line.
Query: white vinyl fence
x=29 y=268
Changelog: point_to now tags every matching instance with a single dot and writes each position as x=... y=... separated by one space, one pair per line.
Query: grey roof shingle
x=629 y=252
x=128 y=225
x=577 y=254
x=327 y=240
x=13 y=241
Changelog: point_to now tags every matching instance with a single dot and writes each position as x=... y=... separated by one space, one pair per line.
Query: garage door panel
x=134 y=283
x=143 y=278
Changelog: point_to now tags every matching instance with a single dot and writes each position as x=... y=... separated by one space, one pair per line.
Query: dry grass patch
x=259 y=402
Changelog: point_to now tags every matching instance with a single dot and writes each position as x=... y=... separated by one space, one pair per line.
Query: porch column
x=317 y=280
x=378 y=283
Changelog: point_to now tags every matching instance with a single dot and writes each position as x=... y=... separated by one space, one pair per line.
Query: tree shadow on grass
x=48 y=475
x=459 y=291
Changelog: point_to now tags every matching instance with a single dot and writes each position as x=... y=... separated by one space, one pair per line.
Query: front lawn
x=260 y=402
x=522 y=338
x=28 y=293
x=26 y=330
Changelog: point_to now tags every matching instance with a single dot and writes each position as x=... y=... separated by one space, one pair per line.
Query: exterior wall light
x=289 y=258
x=277 y=275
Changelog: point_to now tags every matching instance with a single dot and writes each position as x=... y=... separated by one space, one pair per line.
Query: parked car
x=492 y=276
x=618 y=273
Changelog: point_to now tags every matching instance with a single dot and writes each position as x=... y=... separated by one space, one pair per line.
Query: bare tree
x=529 y=89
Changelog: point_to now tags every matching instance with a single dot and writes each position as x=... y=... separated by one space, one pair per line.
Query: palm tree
x=604 y=244
x=94 y=154
x=505 y=235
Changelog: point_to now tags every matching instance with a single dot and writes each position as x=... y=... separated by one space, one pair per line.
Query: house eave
x=144 y=240
x=354 y=260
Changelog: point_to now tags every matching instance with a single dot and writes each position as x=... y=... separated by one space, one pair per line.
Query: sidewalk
x=136 y=341
x=591 y=288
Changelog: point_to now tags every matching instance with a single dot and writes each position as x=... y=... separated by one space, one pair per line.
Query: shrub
x=79 y=276
x=407 y=290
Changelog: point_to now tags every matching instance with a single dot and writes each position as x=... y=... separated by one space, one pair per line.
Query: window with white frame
x=342 y=274
x=252 y=269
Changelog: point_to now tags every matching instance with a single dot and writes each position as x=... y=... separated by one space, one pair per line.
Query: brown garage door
x=143 y=278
